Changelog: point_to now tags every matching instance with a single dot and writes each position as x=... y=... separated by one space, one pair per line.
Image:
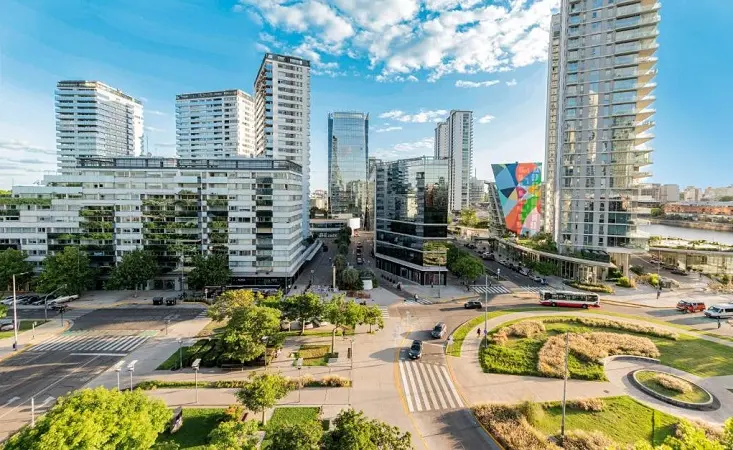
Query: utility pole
x=486 y=305
x=565 y=385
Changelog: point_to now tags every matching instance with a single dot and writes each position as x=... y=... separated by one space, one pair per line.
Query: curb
x=27 y=347
x=632 y=305
x=710 y=405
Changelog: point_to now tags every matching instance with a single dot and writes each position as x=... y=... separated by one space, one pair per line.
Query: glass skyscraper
x=411 y=197
x=348 y=153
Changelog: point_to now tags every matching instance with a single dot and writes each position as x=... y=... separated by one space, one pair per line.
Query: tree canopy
x=211 y=270
x=355 y=431
x=464 y=264
x=468 y=217
x=134 y=271
x=244 y=333
x=262 y=391
x=228 y=302
x=97 y=418
x=69 y=268
x=342 y=312
x=12 y=262
x=234 y=434
x=373 y=316
x=350 y=279
x=304 y=307
x=299 y=435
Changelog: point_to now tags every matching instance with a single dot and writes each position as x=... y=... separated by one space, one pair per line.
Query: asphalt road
x=61 y=364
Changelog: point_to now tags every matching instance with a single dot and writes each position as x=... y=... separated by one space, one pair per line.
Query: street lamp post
x=15 y=313
x=180 y=353
x=486 y=306
x=118 y=369
x=45 y=301
x=299 y=364
x=351 y=357
x=131 y=369
x=312 y=271
x=265 y=339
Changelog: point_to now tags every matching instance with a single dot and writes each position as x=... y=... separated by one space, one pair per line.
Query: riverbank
x=711 y=226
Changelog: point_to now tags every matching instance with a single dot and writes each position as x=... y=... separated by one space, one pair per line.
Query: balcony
x=639 y=8
x=636 y=21
x=641 y=33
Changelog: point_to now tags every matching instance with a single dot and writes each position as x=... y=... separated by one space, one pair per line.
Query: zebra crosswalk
x=536 y=288
x=385 y=312
x=202 y=315
x=420 y=301
x=93 y=342
x=495 y=289
x=428 y=387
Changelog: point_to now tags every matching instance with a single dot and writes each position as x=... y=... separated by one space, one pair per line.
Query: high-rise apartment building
x=599 y=144
x=282 y=115
x=411 y=197
x=454 y=140
x=348 y=153
x=441 y=146
x=551 y=134
x=96 y=120
x=215 y=124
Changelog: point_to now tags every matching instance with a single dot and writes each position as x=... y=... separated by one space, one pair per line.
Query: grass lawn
x=623 y=419
x=25 y=325
x=695 y=395
x=173 y=361
x=197 y=424
x=297 y=414
x=519 y=355
x=212 y=328
x=314 y=354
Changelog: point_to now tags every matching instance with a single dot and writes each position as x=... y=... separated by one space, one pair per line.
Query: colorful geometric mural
x=519 y=186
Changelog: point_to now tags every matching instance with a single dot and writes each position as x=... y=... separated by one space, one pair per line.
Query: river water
x=692 y=234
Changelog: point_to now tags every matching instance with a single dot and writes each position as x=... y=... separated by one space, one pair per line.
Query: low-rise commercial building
x=249 y=209
x=697 y=209
x=411 y=197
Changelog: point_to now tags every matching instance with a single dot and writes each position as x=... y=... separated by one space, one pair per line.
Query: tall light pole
x=195 y=367
x=265 y=339
x=15 y=313
x=118 y=369
x=45 y=301
x=299 y=364
x=486 y=306
x=131 y=369
x=180 y=353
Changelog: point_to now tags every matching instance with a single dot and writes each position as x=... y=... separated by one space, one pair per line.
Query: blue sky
x=409 y=61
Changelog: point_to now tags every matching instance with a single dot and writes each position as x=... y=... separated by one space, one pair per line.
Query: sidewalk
x=26 y=339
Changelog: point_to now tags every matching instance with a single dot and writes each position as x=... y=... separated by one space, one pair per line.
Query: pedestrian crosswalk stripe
x=202 y=315
x=420 y=301
x=92 y=342
x=385 y=312
x=428 y=387
x=497 y=289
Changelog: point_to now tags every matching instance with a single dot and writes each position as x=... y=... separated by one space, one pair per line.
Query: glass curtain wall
x=348 y=153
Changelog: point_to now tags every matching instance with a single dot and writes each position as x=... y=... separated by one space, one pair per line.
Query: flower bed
x=672 y=387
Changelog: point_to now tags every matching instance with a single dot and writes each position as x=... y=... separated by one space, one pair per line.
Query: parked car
x=359 y=260
x=320 y=322
x=439 y=330
x=720 y=311
x=415 y=351
x=537 y=278
x=679 y=272
x=157 y=300
x=524 y=271
x=473 y=304
x=60 y=307
x=6 y=326
x=689 y=306
x=170 y=301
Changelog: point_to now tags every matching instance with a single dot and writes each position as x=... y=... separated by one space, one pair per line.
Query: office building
x=215 y=124
x=411 y=197
x=282 y=116
x=454 y=141
x=440 y=144
x=603 y=128
x=96 y=120
x=249 y=209
x=478 y=192
x=692 y=194
x=348 y=153
x=369 y=210
x=319 y=199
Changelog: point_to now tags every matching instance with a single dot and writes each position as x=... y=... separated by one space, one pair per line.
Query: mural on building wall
x=519 y=186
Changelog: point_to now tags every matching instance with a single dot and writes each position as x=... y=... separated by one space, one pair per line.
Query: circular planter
x=708 y=404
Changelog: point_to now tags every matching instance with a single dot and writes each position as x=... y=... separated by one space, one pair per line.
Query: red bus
x=570 y=299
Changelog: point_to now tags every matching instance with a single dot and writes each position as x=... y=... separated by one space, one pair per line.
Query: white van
x=720 y=311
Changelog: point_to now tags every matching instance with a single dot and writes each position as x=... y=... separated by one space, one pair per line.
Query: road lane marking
x=418 y=400
x=428 y=386
x=451 y=386
x=445 y=389
x=439 y=392
x=406 y=386
x=12 y=400
x=117 y=355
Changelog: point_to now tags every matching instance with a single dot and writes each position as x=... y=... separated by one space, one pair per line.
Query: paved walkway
x=480 y=387
x=28 y=338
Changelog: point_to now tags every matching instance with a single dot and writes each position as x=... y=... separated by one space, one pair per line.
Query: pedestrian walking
x=718 y=322
x=659 y=292
x=478 y=333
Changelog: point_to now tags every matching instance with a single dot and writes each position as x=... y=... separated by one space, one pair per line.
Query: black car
x=157 y=300
x=679 y=272
x=473 y=304
x=170 y=301
x=415 y=351
x=439 y=330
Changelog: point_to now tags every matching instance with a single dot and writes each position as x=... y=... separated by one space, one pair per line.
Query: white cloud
x=154 y=112
x=154 y=129
x=420 y=117
x=387 y=129
x=475 y=84
x=486 y=119
x=512 y=82
x=403 y=37
x=406 y=149
x=395 y=78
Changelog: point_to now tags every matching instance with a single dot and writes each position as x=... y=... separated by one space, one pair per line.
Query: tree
x=69 y=271
x=244 y=334
x=341 y=312
x=12 y=262
x=300 y=435
x=262 y=391
x=304 y=307
x=228 y=302
x=95 y=419
x=340 y=262
x=350 y=279
x=656 y=212
x=726 y=198
x=3 y=311
x=688 y=436
x=468 y=218
x=211 y=270
x=373 y=316
x=135 y=269
x=354 y=431
x=468 y=268
x=233 y=434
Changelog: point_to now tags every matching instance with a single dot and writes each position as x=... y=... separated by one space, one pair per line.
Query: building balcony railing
x=638 y=8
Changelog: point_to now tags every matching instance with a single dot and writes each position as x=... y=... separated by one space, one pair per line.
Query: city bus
x=570 y=299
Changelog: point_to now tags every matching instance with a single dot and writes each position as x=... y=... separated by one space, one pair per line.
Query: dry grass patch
x=591 y=347
x=584 y=440
x=673 y=383
x=524 y=329
x=615 y=325
x=335 y=381
x=588 y=404
x=509 y=426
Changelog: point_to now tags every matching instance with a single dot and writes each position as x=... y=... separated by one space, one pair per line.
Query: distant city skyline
x=404 y=92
